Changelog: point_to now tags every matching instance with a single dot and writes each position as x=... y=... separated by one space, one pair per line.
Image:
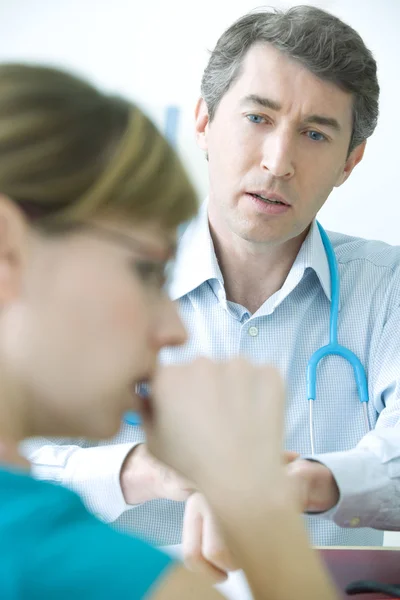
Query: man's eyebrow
x=326 y=121
x=265 y=102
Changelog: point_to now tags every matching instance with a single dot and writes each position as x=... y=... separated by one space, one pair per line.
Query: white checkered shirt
x=285 y=331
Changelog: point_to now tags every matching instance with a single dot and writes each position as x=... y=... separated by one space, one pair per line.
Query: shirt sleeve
x=368 y=476
x=77 y=556
x=93 y=473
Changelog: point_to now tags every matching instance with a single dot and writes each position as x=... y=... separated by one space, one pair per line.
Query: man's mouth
x=268 y=199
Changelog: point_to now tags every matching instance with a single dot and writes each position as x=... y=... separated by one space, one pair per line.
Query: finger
x=192 y=538
x=215 y=550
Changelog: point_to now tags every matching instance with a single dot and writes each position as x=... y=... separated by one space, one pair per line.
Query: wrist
x=259 y=542
x=136 y=478
x=247 y=505
x=323 y=492
x=256 y=527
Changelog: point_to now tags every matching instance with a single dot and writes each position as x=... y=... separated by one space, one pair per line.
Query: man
x=288 y=102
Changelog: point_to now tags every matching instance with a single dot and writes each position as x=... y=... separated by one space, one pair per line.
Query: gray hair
x=326 y=46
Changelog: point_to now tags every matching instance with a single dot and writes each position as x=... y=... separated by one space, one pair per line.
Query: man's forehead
x=267 y=72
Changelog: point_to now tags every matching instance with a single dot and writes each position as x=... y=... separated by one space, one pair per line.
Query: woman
x=91 y=196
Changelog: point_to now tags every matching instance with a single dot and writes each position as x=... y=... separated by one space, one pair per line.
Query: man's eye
x=256 y=119
x=316 y=136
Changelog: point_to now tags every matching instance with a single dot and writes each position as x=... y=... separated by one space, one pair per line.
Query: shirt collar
x=311 y=255
x=197 y=263
x=319 y=260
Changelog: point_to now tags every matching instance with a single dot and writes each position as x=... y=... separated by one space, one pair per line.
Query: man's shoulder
x=374 y=253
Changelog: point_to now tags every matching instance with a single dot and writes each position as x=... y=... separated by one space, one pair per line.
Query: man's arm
x=361 y=487
x=93 y=473
x=110 y=479
x=358 y=487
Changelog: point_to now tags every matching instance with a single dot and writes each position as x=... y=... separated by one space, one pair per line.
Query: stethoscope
x=333 y=347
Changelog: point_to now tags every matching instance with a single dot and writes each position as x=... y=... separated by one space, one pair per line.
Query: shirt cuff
x=362 y=480
x=94 y=473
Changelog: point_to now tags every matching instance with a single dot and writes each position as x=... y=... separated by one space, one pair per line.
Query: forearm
x=280 y=565
x=271 y=545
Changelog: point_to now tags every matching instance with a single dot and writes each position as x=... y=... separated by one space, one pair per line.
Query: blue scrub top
x=52 y=547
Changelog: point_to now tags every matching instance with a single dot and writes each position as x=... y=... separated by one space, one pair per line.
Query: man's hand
x=144 y=478
x=314 y=484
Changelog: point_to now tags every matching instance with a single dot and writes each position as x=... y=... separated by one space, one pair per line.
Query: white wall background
x=154 y=52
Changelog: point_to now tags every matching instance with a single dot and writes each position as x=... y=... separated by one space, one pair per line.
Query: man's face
x=277 y=145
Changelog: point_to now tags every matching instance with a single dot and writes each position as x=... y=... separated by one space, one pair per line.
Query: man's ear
x=13 y=243
x=201 y=124
x=353 y=159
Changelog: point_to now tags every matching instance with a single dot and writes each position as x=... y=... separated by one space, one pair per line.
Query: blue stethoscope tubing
x=333 y=347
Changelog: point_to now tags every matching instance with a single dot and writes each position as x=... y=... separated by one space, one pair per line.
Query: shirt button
x=354 y=522
x=253 y=331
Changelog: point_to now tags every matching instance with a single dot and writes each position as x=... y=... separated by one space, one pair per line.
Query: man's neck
x=253 y=272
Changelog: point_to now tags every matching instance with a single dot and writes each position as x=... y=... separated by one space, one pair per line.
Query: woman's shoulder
x=15 y=481
x=52 y=525
x=29 y=508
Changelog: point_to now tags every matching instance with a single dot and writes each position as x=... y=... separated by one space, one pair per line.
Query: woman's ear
x=13 y=247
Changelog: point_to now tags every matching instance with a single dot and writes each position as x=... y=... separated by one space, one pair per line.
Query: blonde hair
x=69 y=152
